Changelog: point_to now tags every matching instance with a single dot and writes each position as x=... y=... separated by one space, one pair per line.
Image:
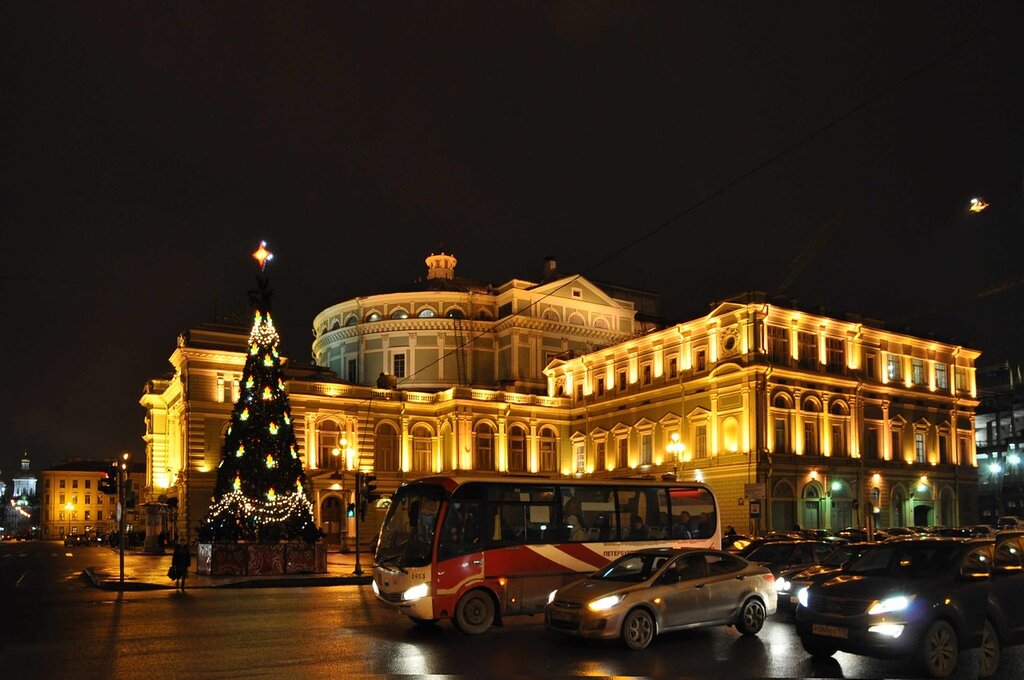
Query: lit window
x=398 y=365
x=399 y=314
x=917 y=371
x=427 y=313
x=941 y=377
x=894 y=368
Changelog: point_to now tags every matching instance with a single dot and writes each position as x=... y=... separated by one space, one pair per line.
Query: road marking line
x=21 y=579
x=54 y=555
x=67 y=555
x=22 y=554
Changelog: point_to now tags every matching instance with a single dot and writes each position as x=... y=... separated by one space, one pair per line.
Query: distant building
x=71 y=503
x=999 y=434
x=24 y=482
x=826 y=419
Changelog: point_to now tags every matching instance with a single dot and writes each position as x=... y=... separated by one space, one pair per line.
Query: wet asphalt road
x=58 y=626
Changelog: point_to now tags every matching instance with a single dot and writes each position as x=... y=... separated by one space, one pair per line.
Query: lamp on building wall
x=336 y=452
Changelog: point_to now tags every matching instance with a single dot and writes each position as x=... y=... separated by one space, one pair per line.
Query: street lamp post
x=68 y=509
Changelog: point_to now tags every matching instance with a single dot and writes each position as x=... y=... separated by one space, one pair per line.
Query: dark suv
x=1005 y=624
x=925 y=599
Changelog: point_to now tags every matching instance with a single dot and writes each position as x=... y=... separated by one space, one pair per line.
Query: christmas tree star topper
x=262 y=255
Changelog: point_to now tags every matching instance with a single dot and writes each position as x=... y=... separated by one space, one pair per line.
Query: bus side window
x=462 y=529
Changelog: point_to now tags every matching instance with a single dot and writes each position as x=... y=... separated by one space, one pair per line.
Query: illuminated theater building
x=563 y=378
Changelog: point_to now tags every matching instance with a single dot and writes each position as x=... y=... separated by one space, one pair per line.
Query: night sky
x=146 y=149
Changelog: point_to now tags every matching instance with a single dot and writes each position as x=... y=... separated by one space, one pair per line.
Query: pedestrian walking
x=180 y=562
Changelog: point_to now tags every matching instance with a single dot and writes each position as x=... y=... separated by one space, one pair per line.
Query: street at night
x=343 y=632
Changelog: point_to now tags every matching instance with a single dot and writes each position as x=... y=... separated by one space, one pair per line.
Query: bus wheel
x=423 y=622
x=474 y=613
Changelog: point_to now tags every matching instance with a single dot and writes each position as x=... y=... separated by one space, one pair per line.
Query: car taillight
x=770 y=578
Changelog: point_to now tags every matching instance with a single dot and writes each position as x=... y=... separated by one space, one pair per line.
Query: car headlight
x=782 y=585
x=801 y=597
x=376 y=588
x=551 y=596
x=889 y=604
x=417 y=592
x=603 y=603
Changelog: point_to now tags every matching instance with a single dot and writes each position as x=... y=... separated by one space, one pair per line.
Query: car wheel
x=751 y=617
x=638 y=629
x=991 y=651
x=818 y=649
x=939 y=649
x=474 y=613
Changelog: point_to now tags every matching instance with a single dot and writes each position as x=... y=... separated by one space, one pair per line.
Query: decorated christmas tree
x=260 y=492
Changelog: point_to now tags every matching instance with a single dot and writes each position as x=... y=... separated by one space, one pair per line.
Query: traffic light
x=108 y=484
x=370 y=488
x=351 y=509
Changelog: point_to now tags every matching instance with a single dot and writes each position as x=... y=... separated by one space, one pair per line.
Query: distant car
x=1009 y=522
x=790 y=581
x=983 y=530
x=731 y=540
x=23 y=535
x=1004 y=626
x=648 y=592
x=780 y=555
x=75 y=540
x=923 y=598
x=7 y=537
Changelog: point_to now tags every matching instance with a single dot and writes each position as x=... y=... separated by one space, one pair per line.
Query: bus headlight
x=601 y=604
x=801 y=597
x=551 y=596
x=417 y=592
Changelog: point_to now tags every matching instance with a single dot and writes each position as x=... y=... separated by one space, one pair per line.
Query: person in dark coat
x=181 y=561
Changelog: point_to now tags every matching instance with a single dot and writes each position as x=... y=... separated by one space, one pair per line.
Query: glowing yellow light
x=814 y=474
x=273 y=428
x=698 y=476
x=876 y=479
x=291 y=449
x=271 y=495
x=977 y=205
x=204 y=468
x=237 y=484
x=249 y=382
x=267 y=394
x=254 y=349
x=262 y=255
x=270 y=461
x=268 y=360
x=287 y=419
x=245 y=414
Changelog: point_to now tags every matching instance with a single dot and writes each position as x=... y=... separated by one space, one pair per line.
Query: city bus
x=475 y=549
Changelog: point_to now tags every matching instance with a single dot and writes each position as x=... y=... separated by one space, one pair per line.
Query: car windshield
x=837 y=558
x=407 y=535
x=771 y=552
x=905 y=560
x=632 y=568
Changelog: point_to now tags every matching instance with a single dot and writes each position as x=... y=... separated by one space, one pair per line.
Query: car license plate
x=558 y=615
x=792 y=599
x=829 y=631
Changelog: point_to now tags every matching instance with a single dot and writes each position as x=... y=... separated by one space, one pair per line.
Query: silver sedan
x=653 y=591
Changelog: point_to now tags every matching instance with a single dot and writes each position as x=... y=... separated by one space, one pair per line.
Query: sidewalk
x=143 y=571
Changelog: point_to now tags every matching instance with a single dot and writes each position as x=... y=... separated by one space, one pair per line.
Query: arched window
x=781 y=400
x=483 y=447
x=550 y=315
x=399 y=314
x=385 y=449
x=839 y=408
x=455 y=313
x=328 y=436
x=516 y=449
x=577 y=320
x=335 y=325
x=422 y=449
x=731 y=435
x=548 y=450
x=484 y=315
x=373 y=316
x=351 y=320
x=601 y=323
x=812 y=405
x=427 y=313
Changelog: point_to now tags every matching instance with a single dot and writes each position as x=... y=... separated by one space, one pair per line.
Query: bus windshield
x=407 y=535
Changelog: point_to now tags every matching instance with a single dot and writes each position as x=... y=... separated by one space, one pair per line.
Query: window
x=600 y=387
x=779 y=445
x=385 y=449
x=673 y=367
x=835 y=355
x=917 y=371
x=61 y=484
x=869 y=366
x=700 y=443
x=897 y=445
x=807 y=344
x=941 y=377
x=599 y=450
x=373 y=316
x=645 y=372
x=548 y=451
x=88 y=499
x=455 y=313
x=47 y=501
x=88 y=484
x=352 y=375
x=622 y=380
x=778 y=344
x=622 y=453
x=962 y=383
x=646 y=449
x=700 y=362
x=427 y=313
x=517 y=450
x=398 y=365
x=871 y=443
x=88 y=515
x=399 y=314
x=99 y=515
x=919 y=453
x=74 y=483
x=579 y=392
x=483 y=450
x=577 y=293
x=328 y=438
x=810 y=438
x=838 y=440
x=62 y=517
x=580 y=454
x=62 y=499
x=422 y=450
x=893 y=368
x=943 y=448
x=550 y=315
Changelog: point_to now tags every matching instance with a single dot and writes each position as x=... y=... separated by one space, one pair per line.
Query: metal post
x=359 y=511
x=122 y=473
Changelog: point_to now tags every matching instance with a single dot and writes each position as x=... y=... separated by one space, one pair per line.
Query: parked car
x=744 y=548
x=75 y=540
x=790 y=581
x=1009 y=522
x=983 y=530
x=924 y=598
x=736 y=542
x=1004 y=626
x=780 y=555
x=657 y=590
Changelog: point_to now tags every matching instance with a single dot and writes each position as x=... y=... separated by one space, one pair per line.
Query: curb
x=286 y=582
